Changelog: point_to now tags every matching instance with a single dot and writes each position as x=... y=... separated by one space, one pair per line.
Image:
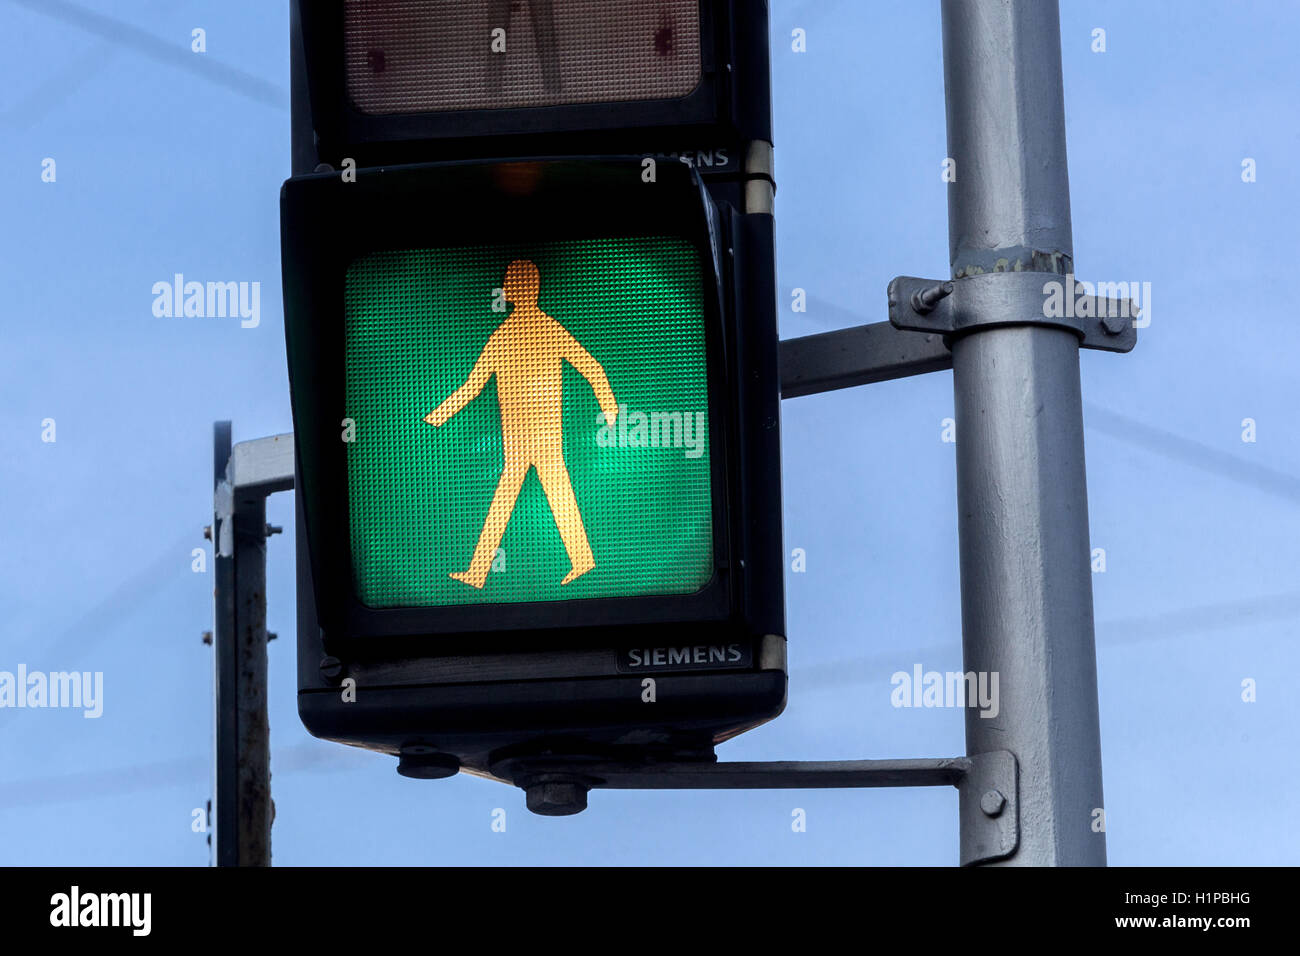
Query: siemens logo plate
x=637 y=660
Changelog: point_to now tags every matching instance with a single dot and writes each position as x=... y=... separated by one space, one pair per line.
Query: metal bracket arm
x=862 y=355
x=256 y=469
x=986 y=783
x=990 y=299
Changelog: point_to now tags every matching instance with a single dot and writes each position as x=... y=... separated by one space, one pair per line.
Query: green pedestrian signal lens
x=530 y=422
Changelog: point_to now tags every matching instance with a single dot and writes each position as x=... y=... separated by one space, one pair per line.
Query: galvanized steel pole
x=225 y=670
x=1026 y=587
x=243 y=744
x=245 y=474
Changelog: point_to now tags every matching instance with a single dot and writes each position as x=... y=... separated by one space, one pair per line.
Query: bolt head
x=331 y=668
x=556 y=799
x=992 y=803
x=1113 y=324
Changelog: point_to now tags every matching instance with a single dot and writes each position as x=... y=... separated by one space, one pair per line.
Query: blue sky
x=162 y=170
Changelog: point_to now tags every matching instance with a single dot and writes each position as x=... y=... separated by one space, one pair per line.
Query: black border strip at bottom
x=928 y=907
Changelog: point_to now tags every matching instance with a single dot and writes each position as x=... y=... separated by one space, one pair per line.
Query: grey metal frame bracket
x=987 y=785
x=256 y=470
x=955 y=306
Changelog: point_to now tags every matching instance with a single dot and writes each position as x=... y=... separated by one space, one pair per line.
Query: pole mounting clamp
x=989 y=807
x=959 y=306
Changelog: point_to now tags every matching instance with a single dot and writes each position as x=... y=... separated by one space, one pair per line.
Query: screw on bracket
x=1113 y=324
x=273 y=529
x=924 y=300
x=992 y=803
x=207 y=532
x=207 y=637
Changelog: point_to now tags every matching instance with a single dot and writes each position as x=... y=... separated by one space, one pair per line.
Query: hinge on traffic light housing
x=760 y=181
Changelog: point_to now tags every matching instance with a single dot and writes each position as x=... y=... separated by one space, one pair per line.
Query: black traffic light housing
x=463 y=686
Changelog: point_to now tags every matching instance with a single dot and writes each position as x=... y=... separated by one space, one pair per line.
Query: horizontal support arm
x=987 y=785
x=757 y=775
x=862 y=355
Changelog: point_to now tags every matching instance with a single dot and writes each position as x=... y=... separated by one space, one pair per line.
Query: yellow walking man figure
x=525 y=354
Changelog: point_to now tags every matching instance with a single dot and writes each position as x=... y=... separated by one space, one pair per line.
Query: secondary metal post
x=245 y=475
x=1026 y=586
x=243 y=803
x=225 y=671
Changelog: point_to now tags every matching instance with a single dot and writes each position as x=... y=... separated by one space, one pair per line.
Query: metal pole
x=243 y=746
x=1026 y=587
x=225 y=797
x=255 y=809
x=302 y=137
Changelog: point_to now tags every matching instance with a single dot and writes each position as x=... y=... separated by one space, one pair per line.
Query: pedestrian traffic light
x=535 y=408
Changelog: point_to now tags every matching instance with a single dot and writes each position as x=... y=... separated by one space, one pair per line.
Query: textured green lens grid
x=415 y=323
